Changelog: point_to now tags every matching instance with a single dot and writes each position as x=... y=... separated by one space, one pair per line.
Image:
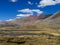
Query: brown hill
x=52 y=21
x=56 y=15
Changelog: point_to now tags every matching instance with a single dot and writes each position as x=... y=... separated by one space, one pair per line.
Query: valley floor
x=31 y=37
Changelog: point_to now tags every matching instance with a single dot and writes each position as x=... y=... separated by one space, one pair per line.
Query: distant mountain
x=31 y=20
x=28 y=20
x=41 y=21
x=6 y=24
x=2 y=22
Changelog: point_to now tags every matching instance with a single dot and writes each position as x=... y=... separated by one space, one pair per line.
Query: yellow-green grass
x=30 y=40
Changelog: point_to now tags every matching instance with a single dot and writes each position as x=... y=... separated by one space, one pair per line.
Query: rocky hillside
x=28 y=21
x=35 y=22
x=53 y=21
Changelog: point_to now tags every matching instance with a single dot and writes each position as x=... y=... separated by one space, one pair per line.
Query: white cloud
x=44 y=3
x=9 y=20
x=37 y=11
x=30 y=3
x=58 y=1
x=29 y=12
x=25 y=11
x=23 y=15
x=13 y=0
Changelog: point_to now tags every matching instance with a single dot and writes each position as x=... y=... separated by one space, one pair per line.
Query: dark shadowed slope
x=54 y=16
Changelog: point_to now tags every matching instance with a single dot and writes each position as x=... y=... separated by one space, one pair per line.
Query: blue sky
x=10 y=9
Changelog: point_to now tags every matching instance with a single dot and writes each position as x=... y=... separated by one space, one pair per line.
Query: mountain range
x=51 y=21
